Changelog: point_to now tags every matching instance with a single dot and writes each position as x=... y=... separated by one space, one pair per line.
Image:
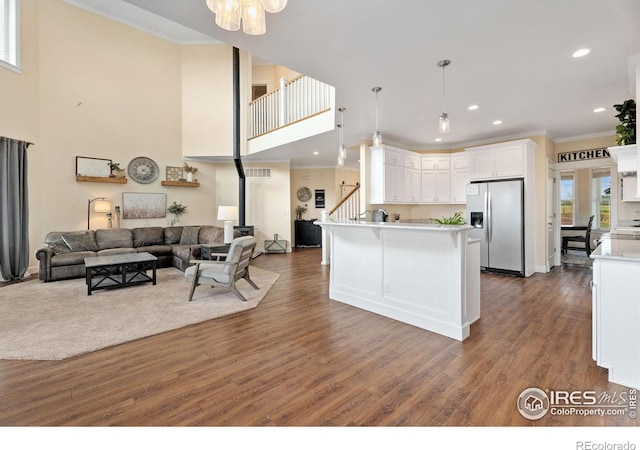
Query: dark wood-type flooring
x=302 y=359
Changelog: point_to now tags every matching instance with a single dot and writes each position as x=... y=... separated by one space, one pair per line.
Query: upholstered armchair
x=224 y=273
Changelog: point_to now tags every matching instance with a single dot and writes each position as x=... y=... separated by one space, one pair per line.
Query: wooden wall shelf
x=101 y=179
x=179 y=183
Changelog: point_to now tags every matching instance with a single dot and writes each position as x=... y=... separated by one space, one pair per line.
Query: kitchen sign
x=583 y=155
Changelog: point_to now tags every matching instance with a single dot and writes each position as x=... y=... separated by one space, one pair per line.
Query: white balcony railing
x=295 y=100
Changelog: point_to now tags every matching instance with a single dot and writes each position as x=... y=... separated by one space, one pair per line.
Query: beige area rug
x=57 y=320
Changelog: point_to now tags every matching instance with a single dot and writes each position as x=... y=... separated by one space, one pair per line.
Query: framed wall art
x=93 y=167
x=143 y=205
x=174 y=173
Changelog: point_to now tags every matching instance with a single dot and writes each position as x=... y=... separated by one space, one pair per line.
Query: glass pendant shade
x=377 y=138
x=444 y=123
x=274 y=6
x=342 y=150
x=229 y=14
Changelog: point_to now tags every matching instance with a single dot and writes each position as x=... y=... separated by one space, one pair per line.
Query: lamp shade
x=227 y=213
x=103 y=206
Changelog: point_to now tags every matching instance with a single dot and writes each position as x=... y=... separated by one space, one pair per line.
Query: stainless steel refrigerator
x=495 y=210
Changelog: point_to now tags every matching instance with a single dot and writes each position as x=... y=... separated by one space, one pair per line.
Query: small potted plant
x=456 y=219
x=626 y=130
x=300 y=210
x=177 y=209
x=190 y=172
x=116 y=171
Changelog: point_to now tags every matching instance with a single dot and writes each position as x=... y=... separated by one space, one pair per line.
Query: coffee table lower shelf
x=108 y=272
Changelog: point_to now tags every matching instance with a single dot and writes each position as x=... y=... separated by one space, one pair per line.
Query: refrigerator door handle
x=489 y=227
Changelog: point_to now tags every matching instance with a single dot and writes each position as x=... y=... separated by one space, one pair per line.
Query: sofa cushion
x=114 y=238
x=80 y=242
x=156 y=250
x=172 y=235
x=189 y=235
x=148 y=236
x=70 y=259
x=211 y=235
x=116 y=251
x=58 y=245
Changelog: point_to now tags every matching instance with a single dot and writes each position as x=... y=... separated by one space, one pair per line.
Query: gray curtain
x=14 y=209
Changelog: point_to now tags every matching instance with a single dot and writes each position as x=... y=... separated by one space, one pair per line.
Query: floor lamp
x=228 y=214
x=102 y=206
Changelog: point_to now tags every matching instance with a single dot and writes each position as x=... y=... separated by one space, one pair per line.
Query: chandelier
x=229 y=14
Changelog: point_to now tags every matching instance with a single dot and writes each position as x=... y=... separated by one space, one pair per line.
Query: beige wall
x=267 y=199
x=96 y=88
x=207 y=100
x=271 y=75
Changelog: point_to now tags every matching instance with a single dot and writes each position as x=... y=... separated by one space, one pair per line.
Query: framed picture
x=93 y=167
x=143 y=205
x=319 y=198
x=174 y=173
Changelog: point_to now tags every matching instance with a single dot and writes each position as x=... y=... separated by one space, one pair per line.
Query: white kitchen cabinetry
x=630 y=189
x=411 y=179
x=504 y=160
x=387 y=175
x=459 y=177
x=616 y=320
x=435 y=179
x=436 y=186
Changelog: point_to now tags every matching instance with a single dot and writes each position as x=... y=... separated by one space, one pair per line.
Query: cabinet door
x=483 y=164
x=459 y=181
x=393 y=157
x=428 y=186
x=411 y=182
x=443 y=186
x=509 y=161
x=393 y=184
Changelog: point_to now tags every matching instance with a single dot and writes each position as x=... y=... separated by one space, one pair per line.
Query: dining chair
x=584 y=239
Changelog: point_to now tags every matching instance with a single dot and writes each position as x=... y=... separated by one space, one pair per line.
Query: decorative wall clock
x=304 y=194
x=143 y=170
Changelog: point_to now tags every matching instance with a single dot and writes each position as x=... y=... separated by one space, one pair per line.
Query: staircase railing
x=295 y=100
x=349 y=206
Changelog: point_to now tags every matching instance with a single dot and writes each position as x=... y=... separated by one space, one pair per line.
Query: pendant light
x=251 y=13
x=342 y=151
x=444 y=125
x=377 y=137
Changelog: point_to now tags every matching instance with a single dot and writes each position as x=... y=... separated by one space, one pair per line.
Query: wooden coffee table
x=106 y=272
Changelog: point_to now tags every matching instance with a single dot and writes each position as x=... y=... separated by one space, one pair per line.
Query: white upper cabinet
x=459 y=177
x=504 y=160
x=387 y=169
x=435 y=179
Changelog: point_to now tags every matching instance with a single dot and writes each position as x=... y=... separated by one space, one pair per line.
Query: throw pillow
x=190 y=235
x=81 y=242
x=58 y=246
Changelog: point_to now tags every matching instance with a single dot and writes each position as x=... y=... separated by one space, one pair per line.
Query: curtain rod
x=28 y=143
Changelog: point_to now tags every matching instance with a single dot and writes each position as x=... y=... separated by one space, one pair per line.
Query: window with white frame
x=567 y=197
x=601 y=198
x=9 y=34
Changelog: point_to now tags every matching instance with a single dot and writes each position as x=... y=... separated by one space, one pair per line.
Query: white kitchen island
x=616 y=308
x=414 y=273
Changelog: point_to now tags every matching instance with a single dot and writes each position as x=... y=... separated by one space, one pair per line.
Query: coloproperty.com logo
x=534 y=403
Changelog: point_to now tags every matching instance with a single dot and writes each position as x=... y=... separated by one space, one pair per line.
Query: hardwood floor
x=302 y=359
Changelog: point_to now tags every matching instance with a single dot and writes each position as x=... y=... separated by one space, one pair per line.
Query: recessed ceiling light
x=438 y=139
x=315 y=153
x=473 y=107
x=497 y=122
x=599 y=109
x=580 y=53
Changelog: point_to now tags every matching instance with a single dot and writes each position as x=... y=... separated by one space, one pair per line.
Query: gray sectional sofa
x=63 y=253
